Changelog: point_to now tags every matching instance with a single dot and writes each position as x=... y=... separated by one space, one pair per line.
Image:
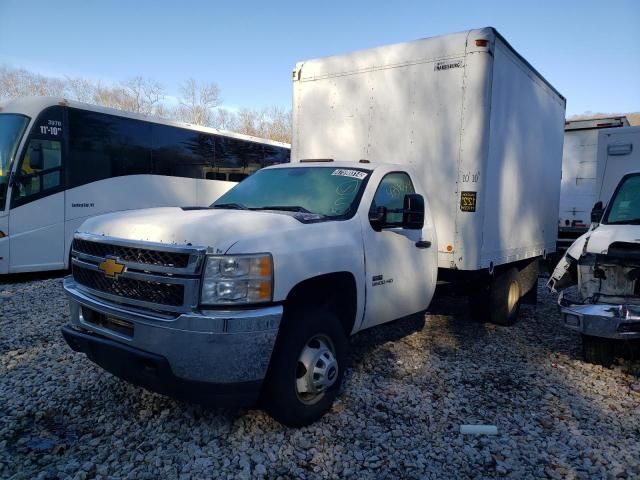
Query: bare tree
x=142 y=95
x=23 y=83
x=197 y=102
x=269 y=122
x=225 y=120
x=81 y=89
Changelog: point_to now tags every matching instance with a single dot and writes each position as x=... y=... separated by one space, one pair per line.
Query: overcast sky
x=589 y=50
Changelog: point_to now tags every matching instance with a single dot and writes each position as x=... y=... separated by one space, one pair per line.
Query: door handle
x=423 y=244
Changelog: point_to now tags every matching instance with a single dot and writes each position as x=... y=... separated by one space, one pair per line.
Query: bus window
x=237 y=177
x=103 y=146
x=40 y=169
x=229 y=152
x=180 y=152
x=275 y=155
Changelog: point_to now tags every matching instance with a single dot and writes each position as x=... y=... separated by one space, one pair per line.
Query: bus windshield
x=12 y=127
x=330 y=192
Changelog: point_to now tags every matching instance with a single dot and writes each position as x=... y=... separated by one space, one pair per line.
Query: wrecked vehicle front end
x=599 y=283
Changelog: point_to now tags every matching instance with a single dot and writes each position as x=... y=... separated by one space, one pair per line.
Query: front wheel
x=307 y=367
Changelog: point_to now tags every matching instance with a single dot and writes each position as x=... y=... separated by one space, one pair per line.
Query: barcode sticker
x=350 y=173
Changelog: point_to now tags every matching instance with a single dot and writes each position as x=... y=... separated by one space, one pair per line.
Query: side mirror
x=596 y=212
x=36 y=158
x=413 y=211
x=378 y=218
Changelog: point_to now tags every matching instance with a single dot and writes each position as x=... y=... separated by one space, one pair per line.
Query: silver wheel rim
x=317 y=369
x=514 y=295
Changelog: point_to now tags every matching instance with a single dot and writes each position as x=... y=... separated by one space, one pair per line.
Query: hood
x=604 y=235
x=217 y=229
x=597 y=240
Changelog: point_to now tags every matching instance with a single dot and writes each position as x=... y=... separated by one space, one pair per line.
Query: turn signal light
x=482 y=43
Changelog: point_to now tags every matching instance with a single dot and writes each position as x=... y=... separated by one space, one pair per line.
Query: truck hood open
x=217 y=229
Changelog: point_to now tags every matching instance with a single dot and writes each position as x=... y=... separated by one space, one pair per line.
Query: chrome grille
x=154 y=292
x=155 y=276
x=132 y=254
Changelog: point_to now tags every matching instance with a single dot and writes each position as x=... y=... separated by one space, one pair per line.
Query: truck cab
x=256 y=294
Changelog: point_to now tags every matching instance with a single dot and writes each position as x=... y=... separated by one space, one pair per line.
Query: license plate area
x=115 y=325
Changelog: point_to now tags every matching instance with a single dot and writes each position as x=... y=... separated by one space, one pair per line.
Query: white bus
x=63 y=161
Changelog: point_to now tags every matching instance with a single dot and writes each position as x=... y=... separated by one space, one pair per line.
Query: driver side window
x=40 y=169
x=390 y=194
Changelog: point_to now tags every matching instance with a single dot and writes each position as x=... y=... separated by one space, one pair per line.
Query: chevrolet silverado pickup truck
x=434 y=161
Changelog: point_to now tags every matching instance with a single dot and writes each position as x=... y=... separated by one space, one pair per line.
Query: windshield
x=11 y=129
x=326 y=191
x=625 y=205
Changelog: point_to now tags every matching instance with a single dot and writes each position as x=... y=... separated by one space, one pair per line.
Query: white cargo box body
x=618 y=154
x=471 y=116
x=579 y=169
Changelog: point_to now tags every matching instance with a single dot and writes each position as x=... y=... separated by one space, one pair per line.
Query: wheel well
x=336 y=291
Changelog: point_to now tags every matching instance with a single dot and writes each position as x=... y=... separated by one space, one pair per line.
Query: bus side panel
x=208 y=191
x=4 y=243
x=36 y=235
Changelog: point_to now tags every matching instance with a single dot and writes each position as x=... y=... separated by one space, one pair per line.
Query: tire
x=598 y=350
x=311 y=338
x=498 y=302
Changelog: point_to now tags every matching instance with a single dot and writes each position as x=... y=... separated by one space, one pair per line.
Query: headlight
x=237 y=279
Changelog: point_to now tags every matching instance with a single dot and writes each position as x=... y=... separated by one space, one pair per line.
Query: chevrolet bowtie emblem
x=111 y=268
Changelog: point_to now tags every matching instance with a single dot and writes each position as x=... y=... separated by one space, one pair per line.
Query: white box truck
x=599 y=276
x=432 y=159
x=580 y=163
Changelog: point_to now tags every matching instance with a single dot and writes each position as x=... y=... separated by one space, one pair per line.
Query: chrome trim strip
x=136 y=244
x=194 y=266
x=143 y=277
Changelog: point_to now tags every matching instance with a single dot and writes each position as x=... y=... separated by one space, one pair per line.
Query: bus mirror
x=36 y=158
x=413 y=211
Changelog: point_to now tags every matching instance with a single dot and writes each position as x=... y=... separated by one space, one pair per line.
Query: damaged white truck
x=599 y=276
x=429 y=161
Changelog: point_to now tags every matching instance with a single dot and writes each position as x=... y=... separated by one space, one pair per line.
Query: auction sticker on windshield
x=350 y=173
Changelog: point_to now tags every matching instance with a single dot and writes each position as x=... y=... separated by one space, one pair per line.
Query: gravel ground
x=410 y=386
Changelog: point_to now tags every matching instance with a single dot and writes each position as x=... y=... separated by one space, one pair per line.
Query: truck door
x=400 y=264
x=36 y=217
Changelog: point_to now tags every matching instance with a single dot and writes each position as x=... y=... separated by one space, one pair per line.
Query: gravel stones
x=409 y=386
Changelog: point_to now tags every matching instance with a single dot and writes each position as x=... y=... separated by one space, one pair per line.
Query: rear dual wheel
x=499 y=301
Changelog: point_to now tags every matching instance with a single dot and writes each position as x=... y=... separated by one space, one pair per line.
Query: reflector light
x=449 y=248
x=482 y=43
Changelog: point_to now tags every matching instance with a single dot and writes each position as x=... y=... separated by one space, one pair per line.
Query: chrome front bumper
x=215 y=346
x=601 y=320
